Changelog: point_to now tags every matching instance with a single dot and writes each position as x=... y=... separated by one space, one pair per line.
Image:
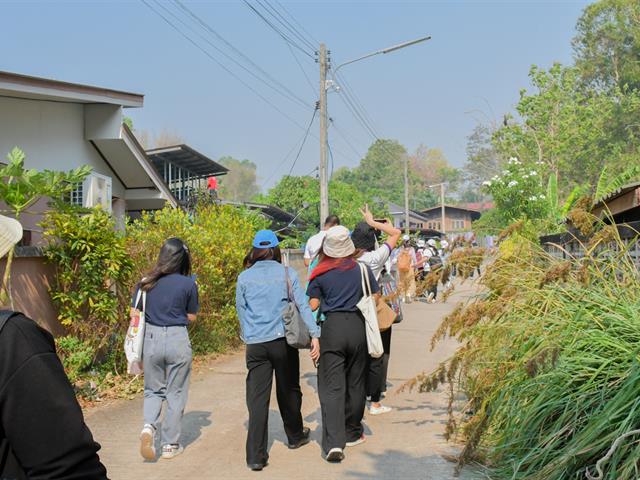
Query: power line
x=315 y=41
x=247 y=59
x=344 y=137
x=221 y=65
x=285 y=23
x=303 y=142
x=304 y=72
x=282 y=90
x=302 y=139
x=351 y=92
x=275 y=29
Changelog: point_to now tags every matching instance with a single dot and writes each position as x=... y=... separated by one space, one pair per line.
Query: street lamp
x=324 y=85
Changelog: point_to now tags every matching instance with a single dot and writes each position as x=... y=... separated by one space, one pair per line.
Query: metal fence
x=572 y=245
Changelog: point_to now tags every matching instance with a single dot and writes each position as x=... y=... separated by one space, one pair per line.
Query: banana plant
x=607 y=184
x=20 y=188
x=558 y=211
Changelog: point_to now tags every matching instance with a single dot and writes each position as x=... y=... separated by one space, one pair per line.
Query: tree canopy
x=240 y=184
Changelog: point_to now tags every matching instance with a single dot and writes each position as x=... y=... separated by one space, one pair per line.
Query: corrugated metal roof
x=185 y=157
x=621 y=191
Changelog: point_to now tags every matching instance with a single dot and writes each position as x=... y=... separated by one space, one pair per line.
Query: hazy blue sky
x=433 y=93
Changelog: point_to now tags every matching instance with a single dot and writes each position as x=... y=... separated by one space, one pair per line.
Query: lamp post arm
x=383 y=51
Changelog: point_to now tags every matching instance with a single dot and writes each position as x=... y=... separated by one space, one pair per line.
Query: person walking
x=405 y=261
x=171 y=305
x=336 y=289
x=43 y=435
x=313 y=245
x=365 y=240
x=261 y=297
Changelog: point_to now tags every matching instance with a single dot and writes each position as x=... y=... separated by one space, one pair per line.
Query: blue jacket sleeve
x=303 y=305
x=241 y=306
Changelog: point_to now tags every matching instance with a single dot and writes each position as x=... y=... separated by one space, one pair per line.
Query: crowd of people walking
x=344 y=267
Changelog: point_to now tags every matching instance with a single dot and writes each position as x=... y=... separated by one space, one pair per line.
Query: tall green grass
x=550 y=363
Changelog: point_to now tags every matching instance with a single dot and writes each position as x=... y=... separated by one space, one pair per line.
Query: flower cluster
x=518 y=191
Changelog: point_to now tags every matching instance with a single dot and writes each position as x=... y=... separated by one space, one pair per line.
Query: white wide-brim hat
x=338 y=243
x=10 y=234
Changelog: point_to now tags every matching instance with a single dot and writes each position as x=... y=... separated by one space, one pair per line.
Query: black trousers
x=341 y=378
x=263 y=359
x=378 y=367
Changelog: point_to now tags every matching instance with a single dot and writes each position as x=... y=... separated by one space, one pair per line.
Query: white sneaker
x=430 y=296
x=357 y=442
x=171 y=451
x=379 y=410
x=147 y=442
x=335 y=455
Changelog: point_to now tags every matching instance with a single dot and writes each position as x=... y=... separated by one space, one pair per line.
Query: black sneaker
x=306 y=438
x=256 y=467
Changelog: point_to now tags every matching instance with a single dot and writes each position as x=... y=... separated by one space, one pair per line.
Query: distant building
x=417 y=221
x=457 y=219
x=184 y=169
x=623 y=205
x=62 y=126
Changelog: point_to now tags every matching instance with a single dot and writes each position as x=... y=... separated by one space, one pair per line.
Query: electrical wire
x=331 y=155
x=275 y=29
x=314 y=40
x=224 y=67
x=304 y=72
x=352 y=94
x=343 y=136
x=303 y=142
x=237 y=51
x=285 y=23
x=282 y=90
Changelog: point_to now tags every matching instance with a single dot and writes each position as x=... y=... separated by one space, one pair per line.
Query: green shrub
x=218 y=237
x=76 y=356
x=93 y=272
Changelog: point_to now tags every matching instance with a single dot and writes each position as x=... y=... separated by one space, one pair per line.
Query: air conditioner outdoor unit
x=97 y=191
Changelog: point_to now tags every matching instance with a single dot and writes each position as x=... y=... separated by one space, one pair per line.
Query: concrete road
x=404 y=444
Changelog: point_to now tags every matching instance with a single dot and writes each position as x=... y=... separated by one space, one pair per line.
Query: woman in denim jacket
x=261 y=297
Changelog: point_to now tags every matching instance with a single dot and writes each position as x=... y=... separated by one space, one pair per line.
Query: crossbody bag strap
x=5 y=315
x=366 y=286
x=289 y=288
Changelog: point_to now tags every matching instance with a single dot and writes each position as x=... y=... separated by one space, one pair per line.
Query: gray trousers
x=167 y=368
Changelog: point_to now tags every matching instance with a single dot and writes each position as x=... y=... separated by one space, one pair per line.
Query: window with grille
x=76 y=196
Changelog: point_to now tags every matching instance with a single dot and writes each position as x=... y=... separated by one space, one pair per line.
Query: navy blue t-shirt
x=340 y=290
x=169 y=302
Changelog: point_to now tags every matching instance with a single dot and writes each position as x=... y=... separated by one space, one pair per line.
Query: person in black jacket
x=42 y=431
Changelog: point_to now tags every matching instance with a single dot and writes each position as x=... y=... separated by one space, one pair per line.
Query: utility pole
x=444 y=228
x=324 y=179
x=406 y=195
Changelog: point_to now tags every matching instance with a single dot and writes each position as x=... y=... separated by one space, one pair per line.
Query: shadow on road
x=192 y=425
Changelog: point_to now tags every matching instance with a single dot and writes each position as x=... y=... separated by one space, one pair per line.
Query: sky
x=433 y=93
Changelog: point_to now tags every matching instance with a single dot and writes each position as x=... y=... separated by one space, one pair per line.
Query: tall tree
x=574 y=131
x=240 y=184
x=607 y=44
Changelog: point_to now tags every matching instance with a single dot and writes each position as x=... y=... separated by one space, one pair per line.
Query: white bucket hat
x=10 y=234
x=338 y=243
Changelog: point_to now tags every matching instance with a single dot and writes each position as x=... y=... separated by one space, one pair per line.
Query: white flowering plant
x=519 y=191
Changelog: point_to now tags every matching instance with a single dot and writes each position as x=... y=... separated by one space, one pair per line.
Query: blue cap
x=265 y=239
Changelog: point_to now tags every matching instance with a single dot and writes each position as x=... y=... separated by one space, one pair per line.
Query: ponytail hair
x=174 y=257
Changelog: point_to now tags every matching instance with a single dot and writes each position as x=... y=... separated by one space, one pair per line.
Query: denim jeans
x=167 y=368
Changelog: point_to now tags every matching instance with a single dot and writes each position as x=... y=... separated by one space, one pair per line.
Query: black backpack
x=10 y=468
x=435 y=262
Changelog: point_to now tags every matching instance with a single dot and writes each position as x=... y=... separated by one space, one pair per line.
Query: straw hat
x=338 y=243
x=10 y=234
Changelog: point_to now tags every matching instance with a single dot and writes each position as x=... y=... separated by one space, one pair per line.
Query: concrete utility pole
x=324 y=179
x=444 y=228
x=407 y=219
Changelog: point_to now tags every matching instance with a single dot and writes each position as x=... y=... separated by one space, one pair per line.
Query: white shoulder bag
x=367 y=305
x=134 y=341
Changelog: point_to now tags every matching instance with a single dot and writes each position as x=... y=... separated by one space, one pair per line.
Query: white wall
x=52 y=135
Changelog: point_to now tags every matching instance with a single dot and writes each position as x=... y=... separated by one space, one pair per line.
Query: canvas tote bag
x=134 y=341
x=367 y=305
x=295 y=330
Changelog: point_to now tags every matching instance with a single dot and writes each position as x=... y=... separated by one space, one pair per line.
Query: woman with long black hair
x=261 y=297
x=171 y=304
x=335 y=288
